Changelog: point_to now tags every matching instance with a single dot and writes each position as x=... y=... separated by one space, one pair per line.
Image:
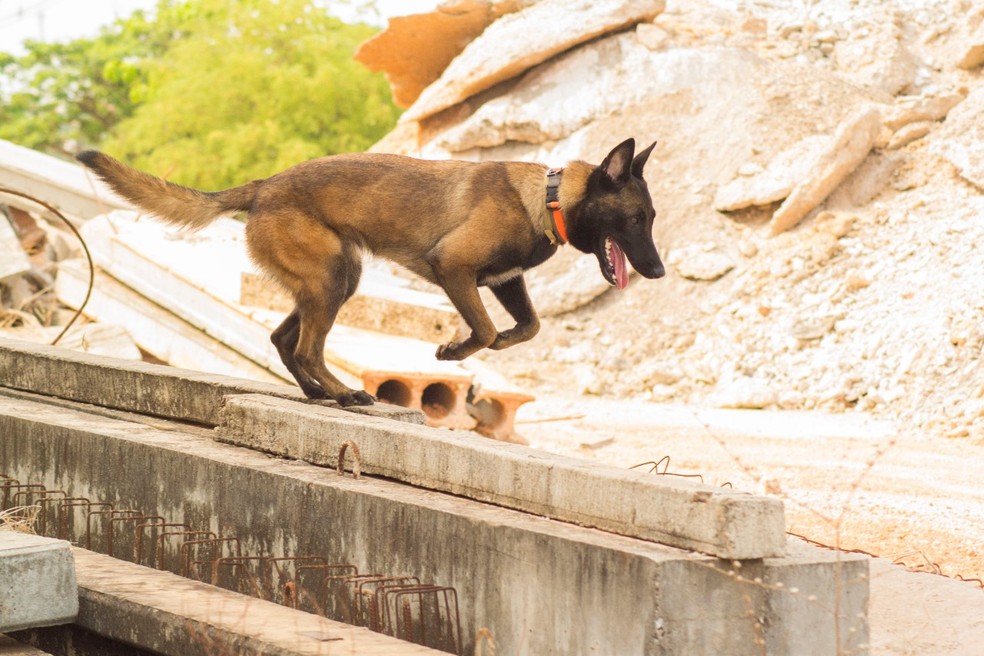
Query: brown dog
x=456 y=224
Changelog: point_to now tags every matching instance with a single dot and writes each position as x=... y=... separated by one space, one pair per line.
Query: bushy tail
x=170 y=202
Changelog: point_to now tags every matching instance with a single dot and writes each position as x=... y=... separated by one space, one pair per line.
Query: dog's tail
x=173 y=203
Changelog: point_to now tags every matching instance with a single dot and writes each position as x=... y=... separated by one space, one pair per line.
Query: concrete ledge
x=37 y=582
x=717 y=521
x=150 y=389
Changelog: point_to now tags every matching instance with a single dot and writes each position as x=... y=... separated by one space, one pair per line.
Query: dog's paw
x=355 y=398
x=314 y=391
x=449 y=351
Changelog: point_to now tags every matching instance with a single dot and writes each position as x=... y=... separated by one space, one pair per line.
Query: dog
x=460 y=225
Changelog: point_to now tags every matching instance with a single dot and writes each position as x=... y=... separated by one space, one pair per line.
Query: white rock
x=879 y=61
x=773 y=183
x=961 y=141
x=847 y=148
x=973 y=53
x=698 y=262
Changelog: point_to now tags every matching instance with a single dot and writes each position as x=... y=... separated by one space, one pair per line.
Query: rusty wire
x=395 y=605
x=937 y=569
x=665 y=462
x=356 y=459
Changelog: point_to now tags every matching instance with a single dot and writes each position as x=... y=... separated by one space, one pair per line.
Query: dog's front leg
x=515 y=299
x=462 y=288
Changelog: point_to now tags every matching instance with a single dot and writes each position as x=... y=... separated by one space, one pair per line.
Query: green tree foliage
x=61 y=94
x=210 y=93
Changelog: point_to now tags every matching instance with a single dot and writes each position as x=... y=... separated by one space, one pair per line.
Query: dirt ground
x=846 y=480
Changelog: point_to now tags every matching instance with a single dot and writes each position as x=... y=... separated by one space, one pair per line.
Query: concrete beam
x=148 y=389
x=539 y=586
x=718 y=521
x=173 y=616
x=37 y=582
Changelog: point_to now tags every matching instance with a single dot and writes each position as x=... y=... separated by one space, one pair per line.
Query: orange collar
x=559 y=233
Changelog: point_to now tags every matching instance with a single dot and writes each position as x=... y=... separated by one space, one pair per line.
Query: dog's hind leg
x=515 y=299
x=317 y=307
x=321 y=271
x=285 y=339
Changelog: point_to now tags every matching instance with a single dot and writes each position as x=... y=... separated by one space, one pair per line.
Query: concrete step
x=37 y=582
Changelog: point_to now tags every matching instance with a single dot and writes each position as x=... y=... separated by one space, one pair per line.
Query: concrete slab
x=174 y=616
x=37 y=582
x=157 y=331
x=150 y=389
x=539 y=586
x=718 y=521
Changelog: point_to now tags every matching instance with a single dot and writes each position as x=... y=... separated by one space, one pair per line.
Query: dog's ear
x=639 y=162
x=617 y=167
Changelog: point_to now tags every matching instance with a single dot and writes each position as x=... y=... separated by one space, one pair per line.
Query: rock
x=913 y=109
x=847 y=148
x=565 y=282
x=973 y=52
x=773 y=183
x=518 y=41
x=909 y=133
x=961 y=140
x=700 y=262
x=414 y=50
x=652 y=36
x=809 y=328
x=744 y=392
x=878 y=61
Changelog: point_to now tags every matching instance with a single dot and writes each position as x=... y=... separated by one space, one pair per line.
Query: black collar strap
x=559 y=232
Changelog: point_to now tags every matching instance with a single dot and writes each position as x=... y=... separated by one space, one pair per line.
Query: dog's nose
x=658 y=271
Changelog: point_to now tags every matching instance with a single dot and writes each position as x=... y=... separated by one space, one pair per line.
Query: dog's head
x=614 y=220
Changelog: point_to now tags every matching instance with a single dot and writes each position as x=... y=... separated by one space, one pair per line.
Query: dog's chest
x=496 y=279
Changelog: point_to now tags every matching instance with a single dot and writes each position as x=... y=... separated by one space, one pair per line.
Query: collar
x=557 y=232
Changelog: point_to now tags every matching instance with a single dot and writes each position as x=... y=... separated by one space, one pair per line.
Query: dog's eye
x=635 y=220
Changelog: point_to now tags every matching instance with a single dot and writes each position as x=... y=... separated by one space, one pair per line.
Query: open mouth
x=614 y=266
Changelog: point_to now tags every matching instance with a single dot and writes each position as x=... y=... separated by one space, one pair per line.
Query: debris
x=973 y=55
x=700 y=261
x=962 y=138
x=846 y=149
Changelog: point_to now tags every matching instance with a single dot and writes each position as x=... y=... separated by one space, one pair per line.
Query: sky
x=64 y=20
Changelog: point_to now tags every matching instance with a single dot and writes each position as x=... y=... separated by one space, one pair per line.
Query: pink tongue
x=621 y=273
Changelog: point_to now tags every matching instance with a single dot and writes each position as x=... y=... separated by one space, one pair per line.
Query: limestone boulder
x=878 y=61
x=847 y=148
x=520 y=40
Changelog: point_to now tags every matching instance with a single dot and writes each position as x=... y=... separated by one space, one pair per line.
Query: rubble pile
x=818 y=183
